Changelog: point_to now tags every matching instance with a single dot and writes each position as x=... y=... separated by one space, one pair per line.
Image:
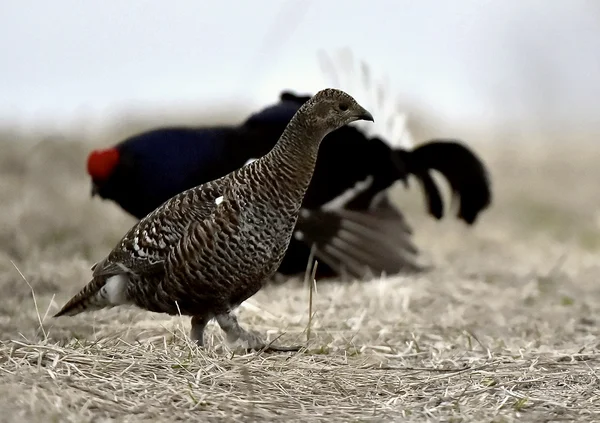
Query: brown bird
x=206 y=250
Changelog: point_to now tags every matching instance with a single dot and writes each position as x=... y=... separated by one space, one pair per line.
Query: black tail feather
x=464 y=171
x=359 y=243
x=435 y=204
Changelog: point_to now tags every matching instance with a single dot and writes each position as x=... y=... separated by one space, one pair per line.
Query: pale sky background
x=518 y=67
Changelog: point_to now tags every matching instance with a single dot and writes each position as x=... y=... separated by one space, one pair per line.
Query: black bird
x=209 y=248
x=351 y=175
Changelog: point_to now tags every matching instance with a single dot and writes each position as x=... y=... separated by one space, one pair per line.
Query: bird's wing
x=143 y=249
x=205 y=234
x=360 y=243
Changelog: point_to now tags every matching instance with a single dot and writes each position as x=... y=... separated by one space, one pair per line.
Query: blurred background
x=484 y=70
x=512 y=302
x=517 y=80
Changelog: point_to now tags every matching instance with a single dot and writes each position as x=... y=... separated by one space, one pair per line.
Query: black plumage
x=209 y=248
x=352 y=171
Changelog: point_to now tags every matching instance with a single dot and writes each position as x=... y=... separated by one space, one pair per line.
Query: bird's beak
x=94 y=190
x=364 y=114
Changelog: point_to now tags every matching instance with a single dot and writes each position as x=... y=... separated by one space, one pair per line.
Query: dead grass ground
x=504 y=329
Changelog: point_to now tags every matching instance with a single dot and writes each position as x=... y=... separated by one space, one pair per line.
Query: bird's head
x=101 y=165
x=330 y=109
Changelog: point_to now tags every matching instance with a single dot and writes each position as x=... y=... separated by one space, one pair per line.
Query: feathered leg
x=230 y=325
x=197 y=331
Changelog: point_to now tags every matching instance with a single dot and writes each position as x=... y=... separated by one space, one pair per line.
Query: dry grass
x=504 y=329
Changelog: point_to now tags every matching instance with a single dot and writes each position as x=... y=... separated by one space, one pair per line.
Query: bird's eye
x=343 y=107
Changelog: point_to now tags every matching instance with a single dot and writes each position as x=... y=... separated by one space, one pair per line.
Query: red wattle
x=101 y=163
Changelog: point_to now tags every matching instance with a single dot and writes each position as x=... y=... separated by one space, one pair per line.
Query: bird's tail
x=464 y=171
x=359 y=244
x=99 y=293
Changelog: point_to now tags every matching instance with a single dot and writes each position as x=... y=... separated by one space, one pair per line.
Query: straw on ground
x=504 y=329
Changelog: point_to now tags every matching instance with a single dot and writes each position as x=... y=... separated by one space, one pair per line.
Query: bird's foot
x=256 y=342
x=252 y=341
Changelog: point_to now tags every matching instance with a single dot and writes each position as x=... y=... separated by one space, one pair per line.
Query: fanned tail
x=342 y=69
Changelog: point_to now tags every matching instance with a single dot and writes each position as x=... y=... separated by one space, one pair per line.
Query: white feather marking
x=115 y=289
x=249 y=161
x=124 y=268
x=342 y=199
x=299 y=235
x=218 y=200
x=377 y=199
x=342 y=70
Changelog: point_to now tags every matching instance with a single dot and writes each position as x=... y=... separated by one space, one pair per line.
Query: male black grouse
x=352 y=174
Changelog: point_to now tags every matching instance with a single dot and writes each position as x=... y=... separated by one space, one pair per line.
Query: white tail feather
x=341 y=70
x=114 y=290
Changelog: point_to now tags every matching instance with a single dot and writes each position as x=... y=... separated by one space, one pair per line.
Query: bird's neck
x=292 y=160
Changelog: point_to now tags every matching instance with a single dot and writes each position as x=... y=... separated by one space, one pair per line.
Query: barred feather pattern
x=195 y=255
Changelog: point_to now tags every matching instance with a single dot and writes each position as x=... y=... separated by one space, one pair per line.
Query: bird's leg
x=197 y=331
x=230 y=325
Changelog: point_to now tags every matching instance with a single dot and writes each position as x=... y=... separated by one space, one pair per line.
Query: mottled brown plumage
x=210 y=248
